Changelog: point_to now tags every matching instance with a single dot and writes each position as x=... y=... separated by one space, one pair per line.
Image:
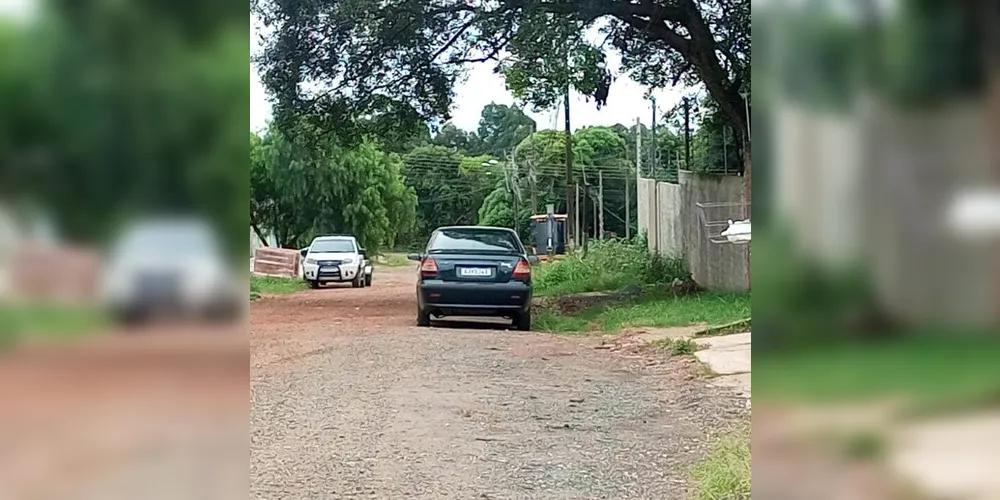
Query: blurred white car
x=336 y=259
x=170 y=267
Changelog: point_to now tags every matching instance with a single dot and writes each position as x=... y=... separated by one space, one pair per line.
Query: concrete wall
x=674 y=226
x=669 y=219
x=716 y=266
x=872 y=186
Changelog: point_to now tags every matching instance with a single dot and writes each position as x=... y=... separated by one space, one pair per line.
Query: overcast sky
x=626 y=99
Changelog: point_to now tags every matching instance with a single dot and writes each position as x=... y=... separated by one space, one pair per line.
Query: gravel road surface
x=349 y=400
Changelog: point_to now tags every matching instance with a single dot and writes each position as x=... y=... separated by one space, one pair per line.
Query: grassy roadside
x=927 y=371
x=47 y=320
x=393 y=260
x=266 y=285
x=725 y=473
x=655 y=311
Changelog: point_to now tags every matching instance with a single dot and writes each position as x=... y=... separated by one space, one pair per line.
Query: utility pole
x=687 y=134
x=594 y=221
x=652 y=149
x=638 y=176
x=600 y=203
x=570 y=200
x=576 y=220
x=516 y=193
x=583 y=233
x=534 y=188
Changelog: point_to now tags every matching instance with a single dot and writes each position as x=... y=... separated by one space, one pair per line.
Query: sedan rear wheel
x=523 y=321
x=423 y=318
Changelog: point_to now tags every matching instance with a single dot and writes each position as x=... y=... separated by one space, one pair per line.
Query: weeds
x=725 y=473
x=610 y=265
x=678 y=347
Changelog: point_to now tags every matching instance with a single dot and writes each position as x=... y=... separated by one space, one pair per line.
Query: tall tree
x=450 y=187
x=450 y=136
x=502 y=128
x=304 y=184
x=355 y=51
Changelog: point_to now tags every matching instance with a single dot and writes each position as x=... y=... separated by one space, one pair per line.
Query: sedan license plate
x=475 y=272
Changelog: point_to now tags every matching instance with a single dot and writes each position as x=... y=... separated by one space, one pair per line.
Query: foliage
x=549 y=57
x=502 y=128
x=714 y=149
x=450 y=187
x=303 y=184
x=500 y=209
x=457 y=139
x=609 y=265
x=678 y=346
x=356 y=53
x=802 y=304
x=119 y=109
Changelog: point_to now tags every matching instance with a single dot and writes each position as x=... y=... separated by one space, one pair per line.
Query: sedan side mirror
x=416 y=257
x=532 y=259
x=361 y=251
x=304 y=252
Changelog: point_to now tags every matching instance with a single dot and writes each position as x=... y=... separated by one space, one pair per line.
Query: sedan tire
x=523 y=321
x=423 y=318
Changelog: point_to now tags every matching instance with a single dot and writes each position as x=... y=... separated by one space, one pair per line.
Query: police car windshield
x=332 y=246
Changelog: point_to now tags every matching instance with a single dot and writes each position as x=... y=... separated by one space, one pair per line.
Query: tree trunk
x=257 y=231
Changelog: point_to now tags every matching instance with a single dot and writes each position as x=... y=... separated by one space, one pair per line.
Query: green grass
x=652 y=311
x=48 y=321
x=609 y=265
x=678 y=347
x=725 y=473
x=393 y=260
x=266 y=285
x=929 y=372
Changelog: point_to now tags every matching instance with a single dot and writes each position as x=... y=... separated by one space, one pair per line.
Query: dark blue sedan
x=474 y=271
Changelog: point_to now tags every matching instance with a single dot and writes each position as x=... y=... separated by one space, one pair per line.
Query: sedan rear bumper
x=474 y=299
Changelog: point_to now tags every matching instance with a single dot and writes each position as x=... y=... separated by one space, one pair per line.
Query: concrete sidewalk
x=729 y=357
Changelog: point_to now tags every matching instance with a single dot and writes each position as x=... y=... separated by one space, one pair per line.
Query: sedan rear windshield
x=474 y=240
x=332 y=246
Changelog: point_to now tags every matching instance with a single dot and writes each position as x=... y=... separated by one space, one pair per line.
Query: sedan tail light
x=428 y=268
x=522 y=270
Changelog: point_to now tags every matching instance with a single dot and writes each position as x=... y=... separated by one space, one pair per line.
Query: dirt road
x=349 y=400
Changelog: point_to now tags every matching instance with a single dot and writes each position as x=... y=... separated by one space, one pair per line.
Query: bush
x=609 y=265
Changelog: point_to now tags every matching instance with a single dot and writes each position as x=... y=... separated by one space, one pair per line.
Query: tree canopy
x=113 y=109
x=351 y=54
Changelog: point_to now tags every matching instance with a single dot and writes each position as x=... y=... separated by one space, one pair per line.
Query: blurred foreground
x=113 y=113
x=875 y=266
